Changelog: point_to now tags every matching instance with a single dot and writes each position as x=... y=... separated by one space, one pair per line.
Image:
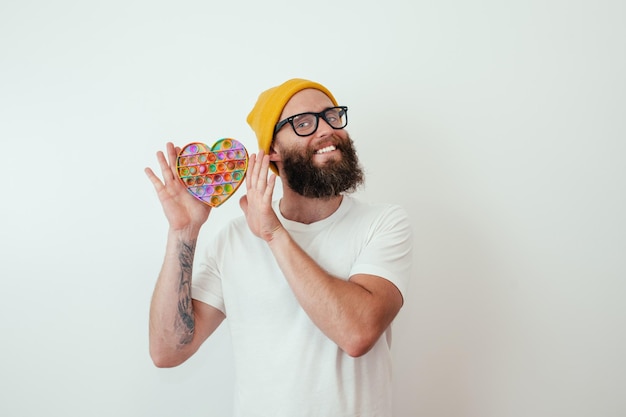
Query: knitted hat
x=264 y=116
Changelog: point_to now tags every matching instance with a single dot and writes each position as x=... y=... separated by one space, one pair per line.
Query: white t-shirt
x=285 y=366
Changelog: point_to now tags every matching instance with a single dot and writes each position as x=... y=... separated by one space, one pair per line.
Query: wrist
x=185 y=233
x=277 y=235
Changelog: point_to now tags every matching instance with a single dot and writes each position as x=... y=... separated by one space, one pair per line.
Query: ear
x=274 y=154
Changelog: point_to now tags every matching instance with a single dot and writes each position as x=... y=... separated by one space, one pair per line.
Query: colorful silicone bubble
x=212 y=174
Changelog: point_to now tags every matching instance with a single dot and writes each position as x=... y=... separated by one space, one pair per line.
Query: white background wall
x=499 y=125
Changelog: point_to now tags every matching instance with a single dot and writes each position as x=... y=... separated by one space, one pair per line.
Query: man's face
x=321 y=165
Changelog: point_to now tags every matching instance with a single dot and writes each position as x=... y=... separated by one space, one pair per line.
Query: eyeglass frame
x=321 y=114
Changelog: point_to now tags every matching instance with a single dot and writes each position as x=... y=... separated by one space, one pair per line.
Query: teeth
x=326 y=149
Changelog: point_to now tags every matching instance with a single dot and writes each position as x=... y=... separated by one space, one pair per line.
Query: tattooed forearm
x=184 y=320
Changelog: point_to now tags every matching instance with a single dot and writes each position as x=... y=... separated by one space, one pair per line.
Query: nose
x=323 y=128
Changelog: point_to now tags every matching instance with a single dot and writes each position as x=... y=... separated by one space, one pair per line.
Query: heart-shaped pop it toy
x=212 y=174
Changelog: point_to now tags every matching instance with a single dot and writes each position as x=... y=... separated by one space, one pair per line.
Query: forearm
x=172 y=322
x=348 y=313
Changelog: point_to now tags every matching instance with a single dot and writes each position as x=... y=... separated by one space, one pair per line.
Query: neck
x=307 y=210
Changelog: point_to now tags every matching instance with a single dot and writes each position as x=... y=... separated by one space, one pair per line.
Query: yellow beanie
x=264 y=116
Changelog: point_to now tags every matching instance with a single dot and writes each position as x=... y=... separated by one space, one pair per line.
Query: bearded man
x=310 y=308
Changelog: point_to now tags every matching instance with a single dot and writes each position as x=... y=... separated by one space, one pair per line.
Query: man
x=322 y=276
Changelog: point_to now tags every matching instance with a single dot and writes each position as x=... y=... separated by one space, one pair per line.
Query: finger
x=166 y=171
x=250 y=180
x=269 y=191
x=172 y=156
x=262 y=169
x=156 y=181
x=265 y=166
x=256 y=168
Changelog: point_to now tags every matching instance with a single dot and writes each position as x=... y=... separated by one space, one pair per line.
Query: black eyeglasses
x=305 y=124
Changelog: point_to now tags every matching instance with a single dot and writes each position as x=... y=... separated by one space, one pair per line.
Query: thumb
x=243 y=203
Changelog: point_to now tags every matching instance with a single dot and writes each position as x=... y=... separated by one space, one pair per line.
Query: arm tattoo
x=185 y=324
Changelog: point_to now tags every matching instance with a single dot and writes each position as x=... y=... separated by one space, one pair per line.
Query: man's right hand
x=182 y=210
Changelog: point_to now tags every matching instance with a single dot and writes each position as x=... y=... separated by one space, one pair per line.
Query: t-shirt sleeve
x=388 y=253
x=206 y=285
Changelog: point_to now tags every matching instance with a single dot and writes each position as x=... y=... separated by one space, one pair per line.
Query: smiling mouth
x=327 y=149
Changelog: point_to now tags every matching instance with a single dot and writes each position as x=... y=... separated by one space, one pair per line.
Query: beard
x=331 y=179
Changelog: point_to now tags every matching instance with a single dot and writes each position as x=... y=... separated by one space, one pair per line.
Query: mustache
x=339 y=143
